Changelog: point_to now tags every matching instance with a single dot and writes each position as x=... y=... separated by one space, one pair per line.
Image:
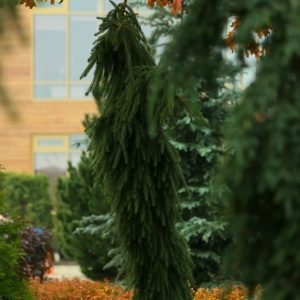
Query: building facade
x=41 y=76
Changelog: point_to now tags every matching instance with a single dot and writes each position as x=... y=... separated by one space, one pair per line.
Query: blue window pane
x=78 y=142
x=82 y=30
x=49 y=47
x=85 y=5
x=50 y=92
x=78 y=92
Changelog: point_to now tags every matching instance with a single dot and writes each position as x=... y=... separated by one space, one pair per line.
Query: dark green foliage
x=101 y=227
x=200 y=147
x=12 y=286
x=28 y=195
x=264 y=173
x=76 y=200
x=142 y=174
x=36 y=244
x=195 y=51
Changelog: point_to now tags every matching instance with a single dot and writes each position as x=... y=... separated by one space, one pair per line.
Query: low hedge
x=76 y=289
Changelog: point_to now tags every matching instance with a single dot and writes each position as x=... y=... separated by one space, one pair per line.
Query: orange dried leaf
x=235 y=23
x=162 y=3
x=29 y=3
x=229 y=41
x=255 y=50
x=151 y=2
x=264 y=32
x=176 y=7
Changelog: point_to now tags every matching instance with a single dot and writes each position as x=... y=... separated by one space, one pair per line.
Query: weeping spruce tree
x=141 y=172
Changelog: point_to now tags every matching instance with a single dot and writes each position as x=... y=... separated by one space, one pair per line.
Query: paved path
x=67 y=271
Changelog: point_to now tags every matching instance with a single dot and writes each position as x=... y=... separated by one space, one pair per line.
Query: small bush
x=77 y=289
x=36 y=243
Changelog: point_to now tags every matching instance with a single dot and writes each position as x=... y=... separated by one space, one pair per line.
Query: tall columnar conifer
x=141 y=172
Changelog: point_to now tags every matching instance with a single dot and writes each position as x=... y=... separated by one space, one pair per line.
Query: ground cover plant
x=75 y=288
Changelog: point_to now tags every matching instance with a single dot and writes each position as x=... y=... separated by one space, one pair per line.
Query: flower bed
x=76 y=289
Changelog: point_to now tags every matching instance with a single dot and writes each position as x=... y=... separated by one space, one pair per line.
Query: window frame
x=64 y=9
x=60 y=9
x=65 y=148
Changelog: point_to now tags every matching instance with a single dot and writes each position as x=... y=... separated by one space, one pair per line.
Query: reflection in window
x=50 y=48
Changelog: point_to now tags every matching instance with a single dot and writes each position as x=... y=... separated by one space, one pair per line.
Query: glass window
x=51 y=164
x=50 y=48
x=82 y=30
x=78 y=141
x=78 y=91
x=50 y=143
x=63 y=40
x=47 y=4
x=50 y=91
x=108 y=6
x=51 y=153
x=85 y=5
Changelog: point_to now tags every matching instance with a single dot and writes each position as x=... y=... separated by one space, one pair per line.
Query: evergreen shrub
x=28 y=196
x=203 y=211
x=12 y=285
x=77 y=199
